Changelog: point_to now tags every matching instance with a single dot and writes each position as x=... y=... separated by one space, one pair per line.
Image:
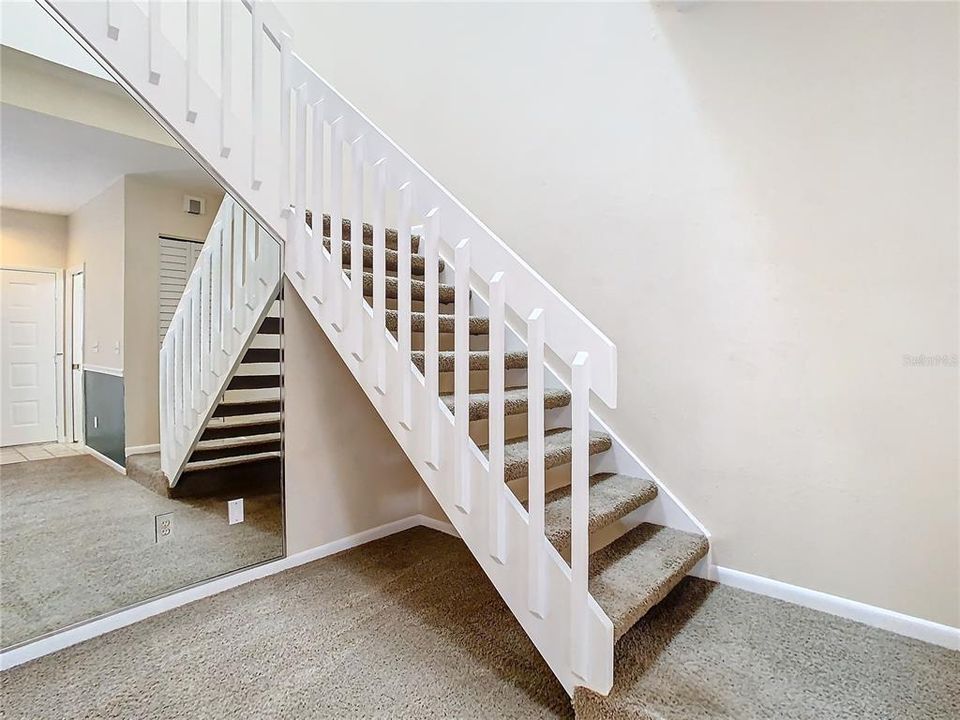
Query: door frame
x=75 y=435
x=58 y=364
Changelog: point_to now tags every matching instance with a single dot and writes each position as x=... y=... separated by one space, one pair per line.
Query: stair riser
x=271 y=326
x=261 y=355
x=213 y=432
x=254 y=382
x=446 y=341
x=249 y=479
x=255 y=395
x=234 y=410
x=415 y=305
x=215 y=453
x=514 y=426
x=554 y=478
x=480 y=380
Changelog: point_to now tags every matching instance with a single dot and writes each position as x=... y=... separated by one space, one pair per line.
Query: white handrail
x=229 y=292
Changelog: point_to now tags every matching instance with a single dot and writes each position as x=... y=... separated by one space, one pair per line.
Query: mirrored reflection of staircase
x=239 y=451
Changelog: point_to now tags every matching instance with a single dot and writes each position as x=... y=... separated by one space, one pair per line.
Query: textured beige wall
x=758 y=203
x=344 y=472
x=95 y=240
x=151 y=209
x=31 y=239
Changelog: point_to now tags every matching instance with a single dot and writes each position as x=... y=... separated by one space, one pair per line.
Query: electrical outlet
x=235 y=511
x=163 y=526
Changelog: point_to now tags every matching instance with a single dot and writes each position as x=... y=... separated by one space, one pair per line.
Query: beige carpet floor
x=409 y=627
x=77 y=540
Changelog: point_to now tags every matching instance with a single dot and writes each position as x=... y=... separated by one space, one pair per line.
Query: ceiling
x=53 y=165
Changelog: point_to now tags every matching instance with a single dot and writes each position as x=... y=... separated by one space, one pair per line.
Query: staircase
x=487 y=378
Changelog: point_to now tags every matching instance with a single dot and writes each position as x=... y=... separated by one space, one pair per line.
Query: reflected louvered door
x=177 y=258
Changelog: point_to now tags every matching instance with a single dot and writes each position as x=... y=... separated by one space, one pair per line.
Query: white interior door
x=76 y=355
x=28 y=347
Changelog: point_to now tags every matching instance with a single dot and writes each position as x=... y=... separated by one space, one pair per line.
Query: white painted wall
x=758 y=203
x=31 y=239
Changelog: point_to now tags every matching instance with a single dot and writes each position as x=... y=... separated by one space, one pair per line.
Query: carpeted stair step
x=635 y=572
x=391 y=257
x=235 y=447
x=224 y=462
x=479 y=360
x=478 y=325
x=256 y=426
x=514 y=401
x=252 y=407
x=391 y=233
x=261 y=355
x=253 y=382
x=612 y=497
x=241 y=476
x=557 y=448
x=418 y=288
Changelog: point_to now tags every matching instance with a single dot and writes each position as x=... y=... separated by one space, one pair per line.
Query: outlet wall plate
x=163 y=527
x=235 y=511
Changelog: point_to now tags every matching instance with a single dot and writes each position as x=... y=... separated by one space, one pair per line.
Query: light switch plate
x=235 y=511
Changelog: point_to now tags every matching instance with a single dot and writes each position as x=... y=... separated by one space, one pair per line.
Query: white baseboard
x=85 y=631
x=141 y=450
x=434 y=524
x=104 y=459
x=907 y=625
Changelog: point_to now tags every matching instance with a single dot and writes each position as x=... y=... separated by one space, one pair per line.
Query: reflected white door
x=27 y=357
x=76 y=347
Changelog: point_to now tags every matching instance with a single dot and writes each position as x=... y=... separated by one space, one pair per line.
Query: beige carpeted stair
x=630 y=574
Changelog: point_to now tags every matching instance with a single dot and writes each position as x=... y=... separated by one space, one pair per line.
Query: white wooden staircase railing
x=283 y=141
x=229 y=292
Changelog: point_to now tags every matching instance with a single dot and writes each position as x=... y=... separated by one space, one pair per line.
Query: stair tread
x=391 y=235
x=635 y=572
x=391 y=257
x=479 y=360
x=557 y=450
x=418 y=288
x=514 y=401
x=239 y=421
x=478 y=325
x=229 y=461
x=612 y=497
x=236 y=441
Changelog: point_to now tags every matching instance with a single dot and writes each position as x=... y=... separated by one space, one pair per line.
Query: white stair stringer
x=265 y=165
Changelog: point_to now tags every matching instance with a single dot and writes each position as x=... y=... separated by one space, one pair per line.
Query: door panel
x=27 y=357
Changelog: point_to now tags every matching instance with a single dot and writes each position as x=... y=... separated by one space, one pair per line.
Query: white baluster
x=113 y=26
x=196 y=391
x=497 y=539
x=193 y=57
x=226 y=280
x=580 y=513
x=356 y=253
x=285 y=93
x=431 y=342
x=336 y=220
x=256 y=102
x=403 y=306
x=535 y=460
x=179 y=356
x=239 y=263
x=153 y=41
x=205 y=369
x=300 y=170
x=317 y=266
x=250 y=284
x=226 y=74
x=461 y=373
x=216 y=300
x=380 y=274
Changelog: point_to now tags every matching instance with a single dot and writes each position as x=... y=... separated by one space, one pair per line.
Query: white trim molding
x=141 y=449
x=116 y=372
x=890 y=620
x=104 y=459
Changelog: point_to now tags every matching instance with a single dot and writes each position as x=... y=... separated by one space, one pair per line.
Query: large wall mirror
x=113 y=489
